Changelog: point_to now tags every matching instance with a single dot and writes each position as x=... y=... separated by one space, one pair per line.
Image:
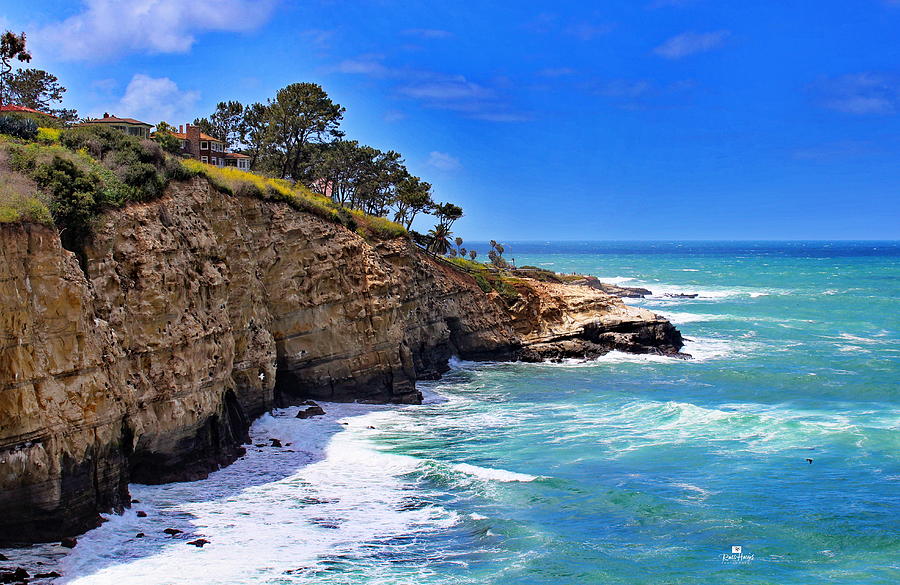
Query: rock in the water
x=312 y=409
x=68 y=542
x=141 y=514
x=49 y=575
x=275 y=442
x=172 y=531
x=135 y=501
x=199 y=542
x=3 y=557
x=682 y=295
x=140 y=535
x=20 y=575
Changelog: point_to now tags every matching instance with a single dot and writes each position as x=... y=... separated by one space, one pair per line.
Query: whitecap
x=492 y=474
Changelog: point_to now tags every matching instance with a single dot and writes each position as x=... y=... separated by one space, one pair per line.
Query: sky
x=628 y=119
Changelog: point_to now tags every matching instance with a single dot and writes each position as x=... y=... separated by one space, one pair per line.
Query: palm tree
x=440 y=239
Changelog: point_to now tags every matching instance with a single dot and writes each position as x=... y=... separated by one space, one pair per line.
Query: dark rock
x=3 y=557
x=310 y=410
x=629 y=292
x=135 y=501
x=199 y=542
x=260 y=445
x=49 y=575
x=68 y=542
x=370 y=427
x=19 y=575
x=140 y=535
x=275 y=442
x=682 y=295
x=172 y=531
x=141 y=514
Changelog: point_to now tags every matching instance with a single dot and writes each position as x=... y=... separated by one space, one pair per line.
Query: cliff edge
x=197 y=312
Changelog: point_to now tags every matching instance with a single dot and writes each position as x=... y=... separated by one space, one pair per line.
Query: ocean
x=772 y=457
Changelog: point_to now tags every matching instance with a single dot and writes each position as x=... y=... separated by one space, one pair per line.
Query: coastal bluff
x=189 y=316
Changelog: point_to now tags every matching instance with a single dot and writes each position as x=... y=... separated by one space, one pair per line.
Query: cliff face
x=200 y=311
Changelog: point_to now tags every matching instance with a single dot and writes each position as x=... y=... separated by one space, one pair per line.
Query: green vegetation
x=18 y=127
x=16 y=207
x=489 y=278
x=30 y=88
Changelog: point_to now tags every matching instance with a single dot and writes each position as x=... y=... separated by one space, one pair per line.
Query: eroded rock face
x=201 y=311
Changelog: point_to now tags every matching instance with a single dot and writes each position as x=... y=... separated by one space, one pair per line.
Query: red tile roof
x=115 y=120
x=206 y=137
x=12 y=108
x=235 y=155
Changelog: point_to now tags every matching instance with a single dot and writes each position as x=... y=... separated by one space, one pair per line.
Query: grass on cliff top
x=489 y=278
x=79 y=172
x=232 y=181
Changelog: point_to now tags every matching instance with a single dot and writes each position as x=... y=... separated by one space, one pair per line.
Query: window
x=204 y=145
x=184 y=144
x=213 y=161
x=204 y=159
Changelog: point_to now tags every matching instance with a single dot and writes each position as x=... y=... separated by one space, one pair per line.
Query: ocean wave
x=329 y=494
x=491 y=474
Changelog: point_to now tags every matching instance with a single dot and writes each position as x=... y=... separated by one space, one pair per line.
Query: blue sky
x=637 y=119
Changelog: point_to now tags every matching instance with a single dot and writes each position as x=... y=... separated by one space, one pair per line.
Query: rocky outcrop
x=197 y=312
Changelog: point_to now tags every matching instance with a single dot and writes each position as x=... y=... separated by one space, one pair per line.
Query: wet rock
x=3 y=557
x=141 y=514
x=140 y=535
x=199 y=542
x=135 y=501
x=69 y=542
x=19 y=575
x=682 y=295
x=172 y=531
x=49 y=575
x=312 y=409
x=275 y=442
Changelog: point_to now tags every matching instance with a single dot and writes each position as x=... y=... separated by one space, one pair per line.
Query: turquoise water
x=627 y=469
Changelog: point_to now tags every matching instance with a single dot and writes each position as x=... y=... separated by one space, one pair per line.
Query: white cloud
x=152 y=99
x=394 y=116
x=428 y=33
x=861 y=93
x=108 y=29
x=586 y=31
x=690 y=43
x=443 y=161
x=556 y=72
x=449 y=89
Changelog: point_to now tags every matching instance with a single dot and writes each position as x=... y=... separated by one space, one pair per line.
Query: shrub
x=73 y=192
x=482 y=283
x=15 y=207
x=48 y=135
x=24 y=128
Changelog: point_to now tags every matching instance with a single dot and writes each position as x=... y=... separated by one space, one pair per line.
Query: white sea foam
x=330 y=494
x=491 y=474
x=615 y=279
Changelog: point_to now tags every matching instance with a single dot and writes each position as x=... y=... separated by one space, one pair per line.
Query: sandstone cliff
x=198 y=312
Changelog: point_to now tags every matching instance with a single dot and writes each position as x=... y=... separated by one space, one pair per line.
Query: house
x=11 y=109
x=208 y=149
x=127 y=125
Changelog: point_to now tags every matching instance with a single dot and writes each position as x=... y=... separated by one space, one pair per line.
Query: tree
x=165 y=136
x=300 y=114
x=473 y=254
x=447 y=214
x=34 y=88
x=496 y=255
x=226 y=123
x=440 y=239
x=254 y=131
x=12 y=46
x=413 y=197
